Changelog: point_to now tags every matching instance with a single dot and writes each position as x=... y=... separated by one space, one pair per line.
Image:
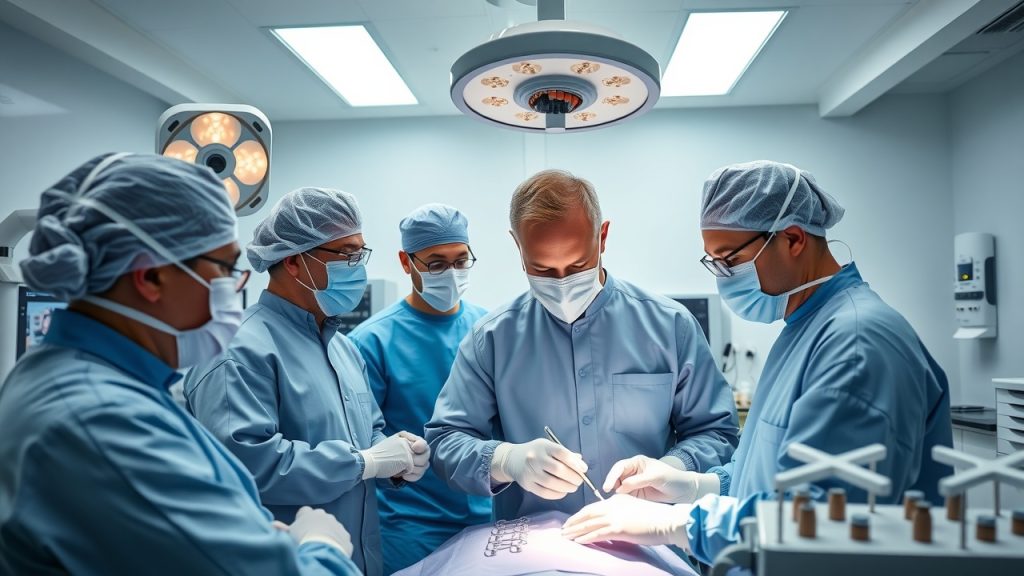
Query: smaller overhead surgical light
x=232 y=140
x=555 y=75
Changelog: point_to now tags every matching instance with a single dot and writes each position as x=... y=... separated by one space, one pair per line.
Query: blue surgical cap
x=302 y=220
x=77 y=248
x=749 y=197
x=433 y=225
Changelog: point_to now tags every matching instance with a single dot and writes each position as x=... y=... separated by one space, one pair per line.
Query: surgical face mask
x=197 y=345
x=742 y=289
x=743 y=294
x=567 y=298
x=443 y=291
x=345 y=286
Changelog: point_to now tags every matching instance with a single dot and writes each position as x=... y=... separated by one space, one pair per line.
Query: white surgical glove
x=655 y=480
x=318 y=526
x=540 y=467
x=628 y=519
x=420 y=456
x=388 y=458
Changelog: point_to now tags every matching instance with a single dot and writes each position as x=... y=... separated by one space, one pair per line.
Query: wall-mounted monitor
x=707 y=309
x=35 y=309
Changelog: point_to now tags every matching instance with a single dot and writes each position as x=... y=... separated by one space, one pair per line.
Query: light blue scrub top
x=104 y=474
x=634 y=375
x=409 y=355
x=846 y=371
x=291 y=401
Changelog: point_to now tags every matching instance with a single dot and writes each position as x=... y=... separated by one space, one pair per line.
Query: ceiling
x=838 y=54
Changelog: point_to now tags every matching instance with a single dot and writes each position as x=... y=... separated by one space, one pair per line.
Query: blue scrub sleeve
x=459 y=432
x=148 y=502
x=241 y=410
x=715 y=524
x=704 y=412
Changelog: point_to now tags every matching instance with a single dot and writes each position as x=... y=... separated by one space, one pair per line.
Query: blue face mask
x=743 y=294
x=345 y=286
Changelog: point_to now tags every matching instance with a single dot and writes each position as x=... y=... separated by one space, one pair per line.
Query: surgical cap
x=77 y=249
x=433 y=225
x=303 y=219
x=749 y=197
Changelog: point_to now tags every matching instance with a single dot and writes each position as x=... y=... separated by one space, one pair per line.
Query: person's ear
x=404 y=259
x=796 y=240
x=604 y=233
x=291 y=265
x=149 y=282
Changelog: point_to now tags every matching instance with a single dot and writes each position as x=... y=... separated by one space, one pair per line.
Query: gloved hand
x=651 y=479
x=420 y=456
x=388 y=458
x=318 y=526
x=540 y=467
x=628 y=519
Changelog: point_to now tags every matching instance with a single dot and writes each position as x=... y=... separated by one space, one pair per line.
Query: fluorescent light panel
x=350 y=62
x=715 y=49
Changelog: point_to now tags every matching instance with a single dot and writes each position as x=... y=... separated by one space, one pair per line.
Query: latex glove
x=318 y=526
x=388 y=458
x=628 y=519
x=540 y=467
x=655 y=480
x=420 y=456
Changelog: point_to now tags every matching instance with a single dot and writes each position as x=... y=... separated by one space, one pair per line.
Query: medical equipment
x=880 y=539
x=35 y=309
x=555 y=75
x=974 y=292
x=233 y=140
x=13 y=228
x=586 y=479
x=534 y=545
x=378 y=295
x=707 y=310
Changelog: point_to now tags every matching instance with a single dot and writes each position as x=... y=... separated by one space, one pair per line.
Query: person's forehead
x=355 y=241
x=721 y=242
x=444 y=250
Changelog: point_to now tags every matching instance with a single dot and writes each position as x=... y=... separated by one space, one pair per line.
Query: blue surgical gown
x=104 y=474
x=634 y=375
x=291 y=401
x=846 y=371
x=409 y=355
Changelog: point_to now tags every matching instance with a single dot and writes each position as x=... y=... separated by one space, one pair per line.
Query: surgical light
x=555 y=75
x=232 y=140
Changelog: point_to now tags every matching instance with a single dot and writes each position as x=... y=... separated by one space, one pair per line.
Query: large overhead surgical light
x=555 y=75
x=232 y=140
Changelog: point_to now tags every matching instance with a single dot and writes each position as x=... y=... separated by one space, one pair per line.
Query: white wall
x=888 y=166
x=92 y=113
x=987 y=121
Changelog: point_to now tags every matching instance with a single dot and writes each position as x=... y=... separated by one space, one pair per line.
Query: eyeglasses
x=241 y=276
x=720 y=267
x=360 y=257
x=441 y=266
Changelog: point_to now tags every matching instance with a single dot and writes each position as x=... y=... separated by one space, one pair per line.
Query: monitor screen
x=34 y=312
x=699 y=308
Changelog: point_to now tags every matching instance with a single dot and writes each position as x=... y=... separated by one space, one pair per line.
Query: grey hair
x=548 y=195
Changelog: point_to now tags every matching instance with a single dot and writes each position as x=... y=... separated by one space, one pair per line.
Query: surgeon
x=409 y=349
x=102 y=472
x=290 y=396
x=846 y=371
x=613 y=370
